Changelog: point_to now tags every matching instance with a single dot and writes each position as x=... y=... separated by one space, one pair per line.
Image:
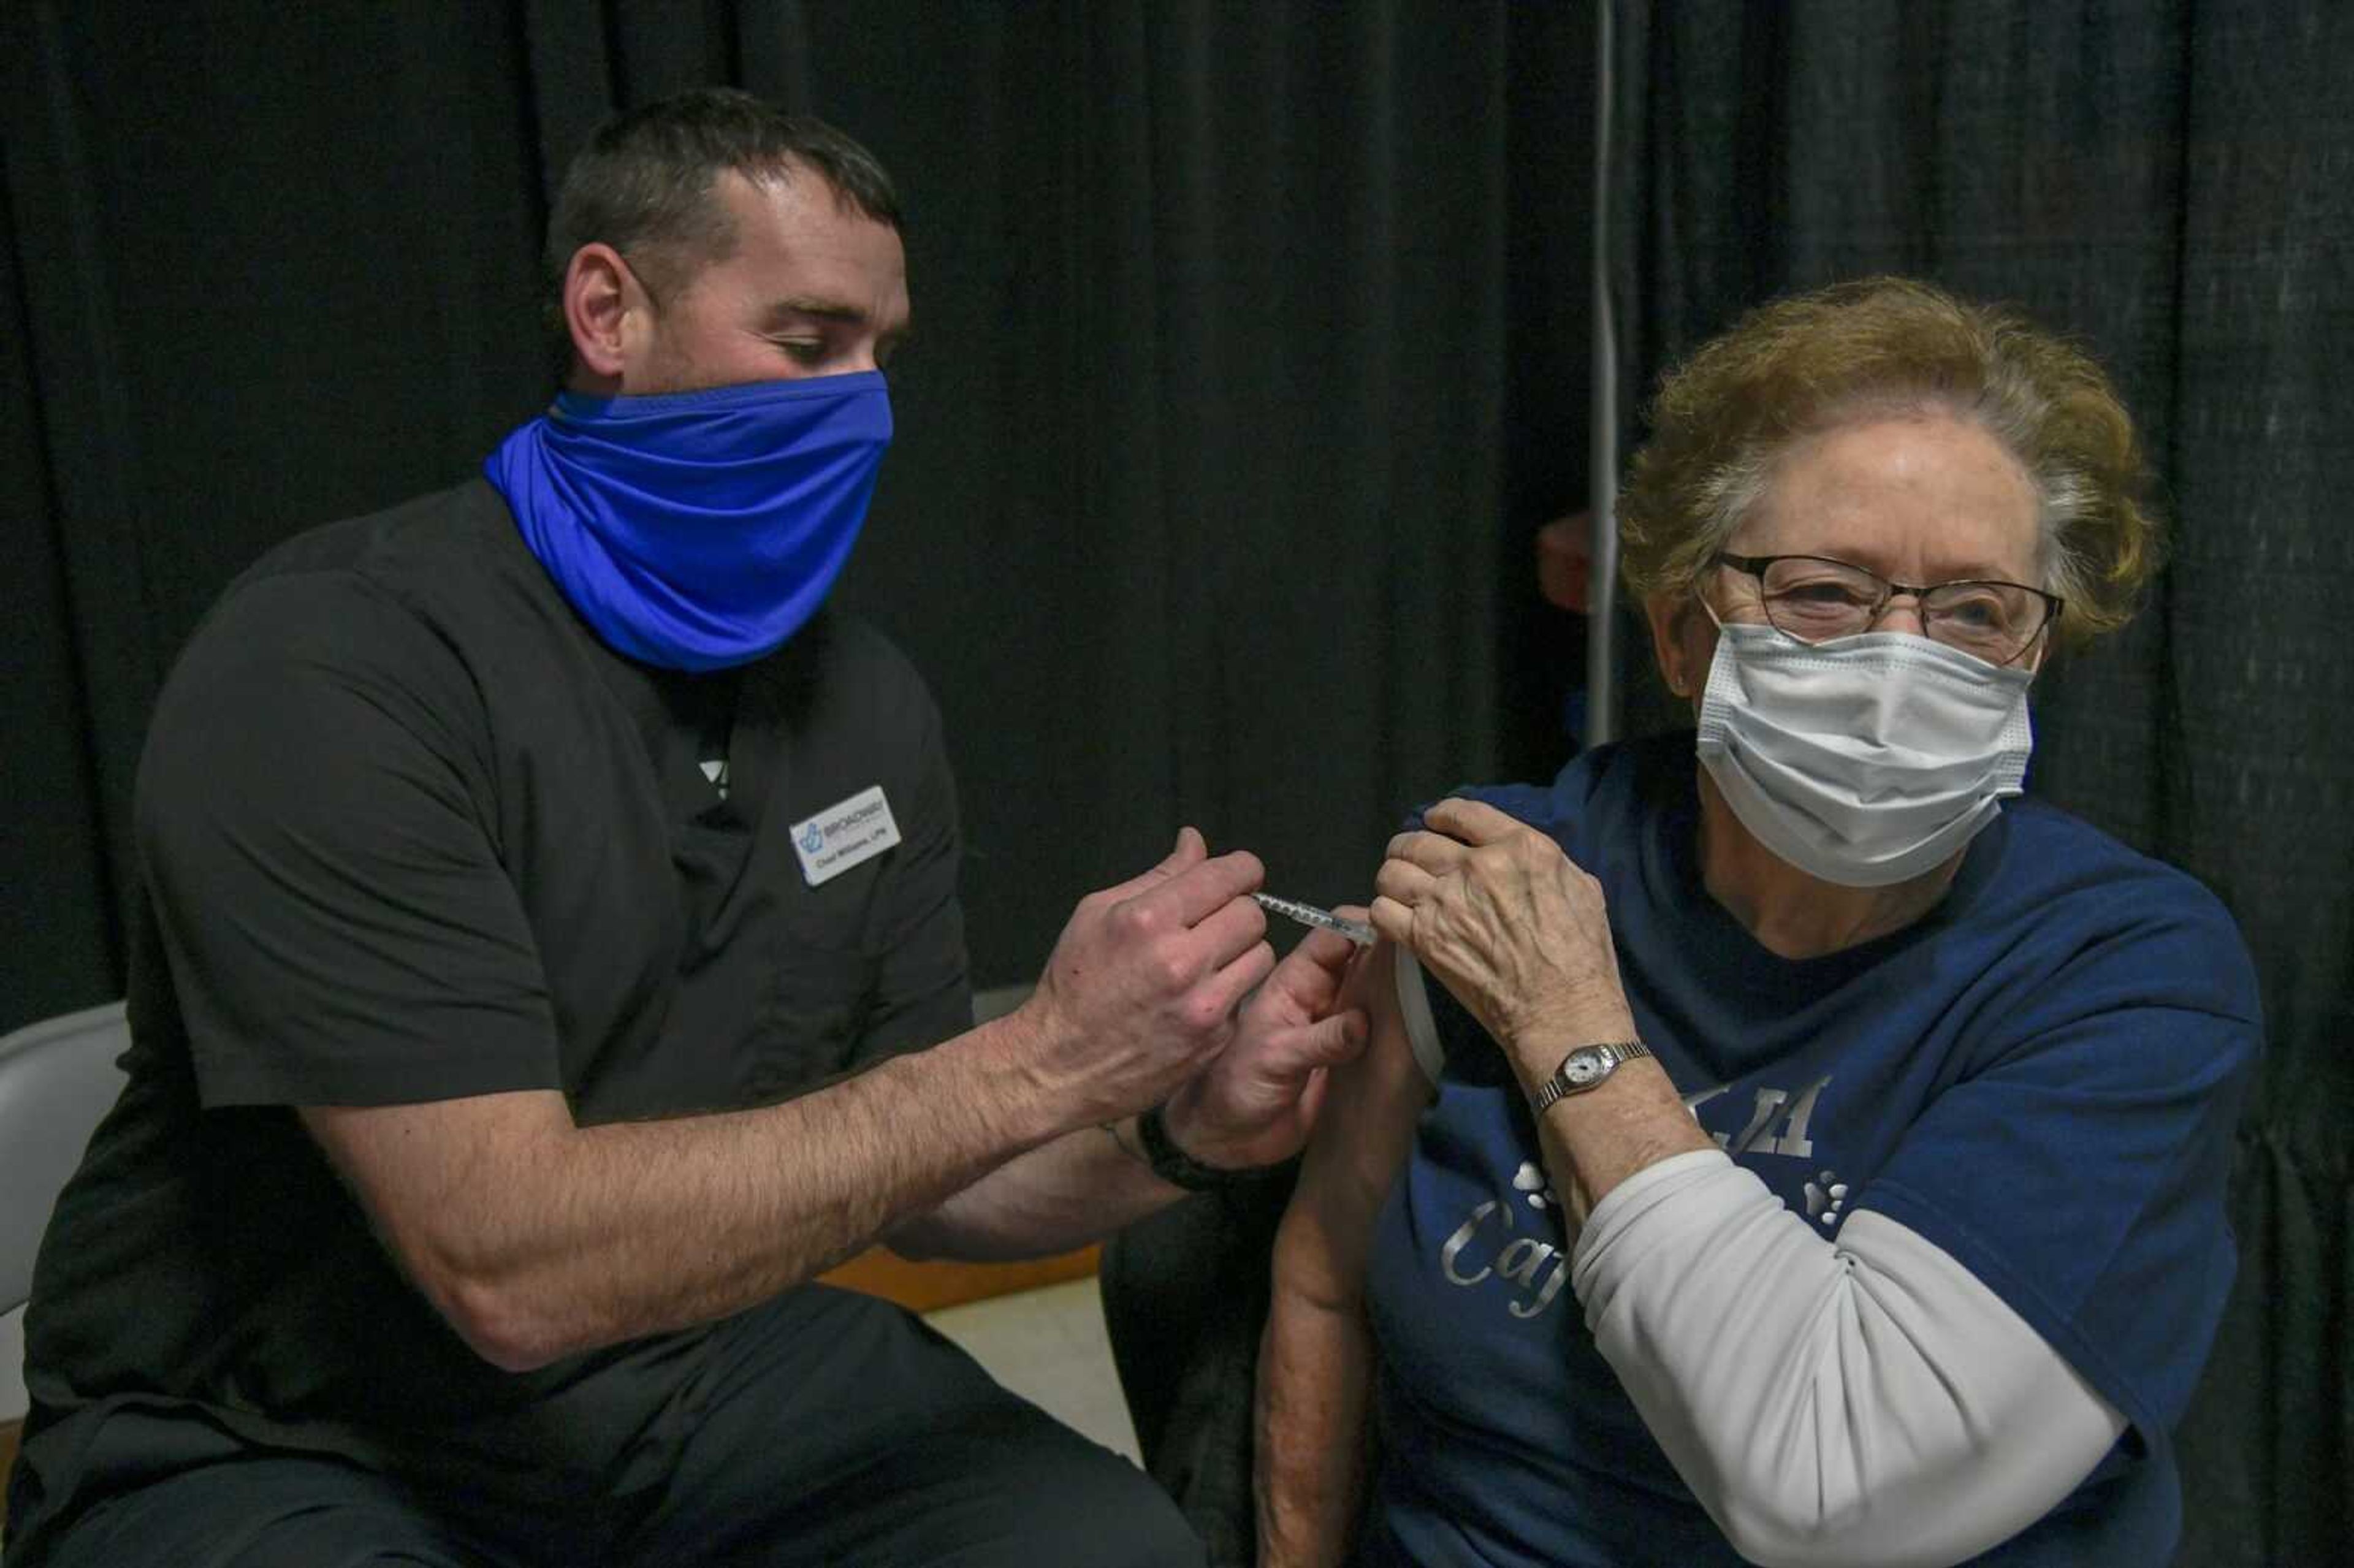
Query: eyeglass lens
x=1815 y=600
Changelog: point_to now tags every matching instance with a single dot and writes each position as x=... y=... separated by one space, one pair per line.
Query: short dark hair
x=643 y=186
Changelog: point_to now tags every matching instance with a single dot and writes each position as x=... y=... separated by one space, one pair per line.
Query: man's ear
x=600 y=296
x=1670 y=615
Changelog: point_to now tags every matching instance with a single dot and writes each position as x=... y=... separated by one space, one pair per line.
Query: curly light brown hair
x=1800 y=365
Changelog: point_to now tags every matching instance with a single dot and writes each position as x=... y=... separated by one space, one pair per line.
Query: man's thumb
x=1332 y=1041
x=1189 y=849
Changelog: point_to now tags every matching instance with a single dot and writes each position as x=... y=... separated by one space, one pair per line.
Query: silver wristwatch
x=1584 y=1068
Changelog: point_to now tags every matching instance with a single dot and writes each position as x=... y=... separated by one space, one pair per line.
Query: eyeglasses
x=1814 y=600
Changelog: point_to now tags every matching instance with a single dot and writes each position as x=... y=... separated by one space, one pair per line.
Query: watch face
x=1583 y=1067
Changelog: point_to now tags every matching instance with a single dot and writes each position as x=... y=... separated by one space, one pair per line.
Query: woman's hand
x=1508 y=922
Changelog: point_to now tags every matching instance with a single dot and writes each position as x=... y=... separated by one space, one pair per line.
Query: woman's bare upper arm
x=1360 y=1142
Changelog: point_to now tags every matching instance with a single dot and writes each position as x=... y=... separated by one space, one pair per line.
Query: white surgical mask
x=1865 y=761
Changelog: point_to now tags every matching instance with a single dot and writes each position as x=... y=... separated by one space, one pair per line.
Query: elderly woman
x=1808 y=1152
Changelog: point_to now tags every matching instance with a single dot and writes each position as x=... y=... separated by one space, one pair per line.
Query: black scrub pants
x=825 y=1428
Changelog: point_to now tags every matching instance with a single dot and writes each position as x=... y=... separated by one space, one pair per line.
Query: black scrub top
x=410 y=831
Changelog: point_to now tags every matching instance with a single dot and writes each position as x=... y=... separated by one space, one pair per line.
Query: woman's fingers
x=1392 y=919
x=1403 y=882
x=1435 y=853
x=1472 y=821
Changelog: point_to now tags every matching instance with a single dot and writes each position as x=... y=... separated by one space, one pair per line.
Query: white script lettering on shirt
x=1484 y=1251
x=1518 y=1264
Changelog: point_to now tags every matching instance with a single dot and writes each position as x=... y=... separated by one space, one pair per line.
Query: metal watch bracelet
x=1601 y=1058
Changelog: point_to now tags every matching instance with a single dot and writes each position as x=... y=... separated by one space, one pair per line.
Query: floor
x=1048 y=1345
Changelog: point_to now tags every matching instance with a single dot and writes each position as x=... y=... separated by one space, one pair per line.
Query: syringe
x=1356 y=931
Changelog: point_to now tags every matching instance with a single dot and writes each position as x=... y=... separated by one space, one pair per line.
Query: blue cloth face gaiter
x=698 y=530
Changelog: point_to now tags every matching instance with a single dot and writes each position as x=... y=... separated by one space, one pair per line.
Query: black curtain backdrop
x=1250 y=347
x=2175 y=184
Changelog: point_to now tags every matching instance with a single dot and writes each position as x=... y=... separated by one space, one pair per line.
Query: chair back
x=58 y=1081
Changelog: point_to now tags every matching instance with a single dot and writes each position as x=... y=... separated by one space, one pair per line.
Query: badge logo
x=846 y=834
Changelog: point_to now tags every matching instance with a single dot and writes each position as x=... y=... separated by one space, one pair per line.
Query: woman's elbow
x=1771 y=1540
x=1778 y=1540
x=1307 y=1270
x=1784 y=1532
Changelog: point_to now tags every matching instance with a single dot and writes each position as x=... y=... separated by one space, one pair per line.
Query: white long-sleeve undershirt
x=1867 y=1400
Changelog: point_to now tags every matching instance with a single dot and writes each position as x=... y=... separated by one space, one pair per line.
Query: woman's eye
x=1979 y=612
x=1821 y=595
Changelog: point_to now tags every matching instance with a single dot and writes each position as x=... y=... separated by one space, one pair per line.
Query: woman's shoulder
x=2054 y=853
x=1608 y=781
x=2070 y=887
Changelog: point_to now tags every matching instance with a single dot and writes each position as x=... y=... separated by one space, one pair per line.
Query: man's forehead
x=794 y=198
x=800 y=220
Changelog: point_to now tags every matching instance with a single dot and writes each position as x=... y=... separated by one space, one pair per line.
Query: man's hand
x=1517 y=932
x=1257 y=1104
x=1141 y=990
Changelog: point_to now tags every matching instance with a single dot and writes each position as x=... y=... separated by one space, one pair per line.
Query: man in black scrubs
x=552 y=961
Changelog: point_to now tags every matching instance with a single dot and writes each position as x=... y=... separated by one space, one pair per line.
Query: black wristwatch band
x=1179 y=1169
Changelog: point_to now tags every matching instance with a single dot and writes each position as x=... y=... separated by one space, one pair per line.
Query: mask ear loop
x=2041 y=648
x=1677 y=687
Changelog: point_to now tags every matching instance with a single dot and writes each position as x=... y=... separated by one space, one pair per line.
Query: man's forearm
x=1076 y=1189
x=537 y=1238
x=546 y=1239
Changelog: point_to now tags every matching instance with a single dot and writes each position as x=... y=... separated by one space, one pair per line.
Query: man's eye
x=804 y=351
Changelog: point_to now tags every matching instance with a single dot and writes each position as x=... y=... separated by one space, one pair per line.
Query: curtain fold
x=72 y=349
x=2174 y=184
x=58 y=925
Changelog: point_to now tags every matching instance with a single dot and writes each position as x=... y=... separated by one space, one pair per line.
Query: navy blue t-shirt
x=2041 y=1077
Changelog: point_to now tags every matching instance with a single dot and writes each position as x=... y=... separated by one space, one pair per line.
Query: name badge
x=845 y=834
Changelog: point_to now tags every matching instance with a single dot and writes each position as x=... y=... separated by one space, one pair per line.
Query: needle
x=1356 y=931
